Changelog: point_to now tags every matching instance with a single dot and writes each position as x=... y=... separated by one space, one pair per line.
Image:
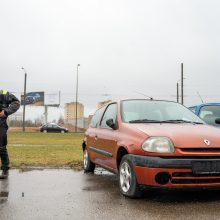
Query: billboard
x=41 y=99
x=33 y=98
x=52 y=98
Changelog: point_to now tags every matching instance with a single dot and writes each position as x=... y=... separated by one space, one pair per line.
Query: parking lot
x=68 y=194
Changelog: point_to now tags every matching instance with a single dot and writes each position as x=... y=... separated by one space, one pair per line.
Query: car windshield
x=209 y=113
x=149 y=111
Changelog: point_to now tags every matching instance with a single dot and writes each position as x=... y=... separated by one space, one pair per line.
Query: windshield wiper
x=165 y=121
x=144 y=121
x=181 y=121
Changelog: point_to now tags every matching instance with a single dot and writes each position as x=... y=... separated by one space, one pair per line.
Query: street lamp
x=177 y=86
x=77 y=71
x=25 y=82
x=177 y=91
x=182 y=83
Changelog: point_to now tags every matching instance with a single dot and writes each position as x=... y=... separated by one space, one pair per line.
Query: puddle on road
x=100 y=180
x=28 y=169
x=101 y=171
x=42 y=168
x=4 y=194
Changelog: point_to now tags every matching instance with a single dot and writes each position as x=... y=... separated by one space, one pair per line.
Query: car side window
x=96 y=118
x=110 y=113
x=210 y=113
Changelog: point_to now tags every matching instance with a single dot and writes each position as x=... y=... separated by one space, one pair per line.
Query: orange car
x=153 y=143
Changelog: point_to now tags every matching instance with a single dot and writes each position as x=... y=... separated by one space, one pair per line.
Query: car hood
x=183 y=135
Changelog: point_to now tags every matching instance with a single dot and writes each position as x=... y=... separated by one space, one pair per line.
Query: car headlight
x=158 y=145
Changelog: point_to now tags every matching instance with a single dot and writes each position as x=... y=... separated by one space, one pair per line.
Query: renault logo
x=207 y=142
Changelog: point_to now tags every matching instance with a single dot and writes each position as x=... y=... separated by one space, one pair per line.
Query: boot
x=4 y=174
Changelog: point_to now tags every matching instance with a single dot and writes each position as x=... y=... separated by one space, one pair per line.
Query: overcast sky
x=122 y=46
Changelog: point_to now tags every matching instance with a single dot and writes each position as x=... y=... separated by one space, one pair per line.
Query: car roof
x=206 y=104
x=158 y=100
x=149 y=100
x=121 y=100
x=50 y=123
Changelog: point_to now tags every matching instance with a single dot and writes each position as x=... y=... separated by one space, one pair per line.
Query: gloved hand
x=2 y=114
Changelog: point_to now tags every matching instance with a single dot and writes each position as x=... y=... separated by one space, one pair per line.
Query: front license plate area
x=206 y=167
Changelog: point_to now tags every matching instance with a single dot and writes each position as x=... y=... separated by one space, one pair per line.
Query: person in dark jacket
x=9 y=104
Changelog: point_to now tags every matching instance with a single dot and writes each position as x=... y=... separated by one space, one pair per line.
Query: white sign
x=51 y=98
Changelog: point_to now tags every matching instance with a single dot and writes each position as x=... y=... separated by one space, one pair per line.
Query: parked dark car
x=208 y=112
x=52 y=127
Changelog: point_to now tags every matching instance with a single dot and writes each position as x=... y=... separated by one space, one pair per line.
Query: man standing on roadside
x=9 y=104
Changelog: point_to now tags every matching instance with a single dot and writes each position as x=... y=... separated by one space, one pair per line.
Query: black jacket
x=10 y=104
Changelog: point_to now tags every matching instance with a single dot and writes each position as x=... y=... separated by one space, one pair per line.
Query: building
x=70 y=110
x=87 y=121
x=70 y=114
x=100 y=104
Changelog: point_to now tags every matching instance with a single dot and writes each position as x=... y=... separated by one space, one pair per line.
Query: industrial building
x=70 y=114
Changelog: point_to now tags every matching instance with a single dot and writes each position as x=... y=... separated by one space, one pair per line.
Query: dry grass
x=38 y=149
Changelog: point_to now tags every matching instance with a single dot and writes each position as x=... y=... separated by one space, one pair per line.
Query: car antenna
x=151 y=98
x=200 y=96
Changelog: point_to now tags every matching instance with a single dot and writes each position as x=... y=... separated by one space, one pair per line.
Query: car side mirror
x=217 y=120
x=111 y=123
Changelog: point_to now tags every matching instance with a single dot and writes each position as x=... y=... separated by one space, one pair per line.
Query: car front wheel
x=127 y=180
x=88 y=165
x=45 y=131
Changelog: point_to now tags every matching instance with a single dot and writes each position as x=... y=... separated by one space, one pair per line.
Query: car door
x=49 y=128
x=56 y=128
x=106 y=141
x=91 y=135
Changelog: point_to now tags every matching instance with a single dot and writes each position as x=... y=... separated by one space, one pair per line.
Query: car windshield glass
x=209 y=113
x=148 y=111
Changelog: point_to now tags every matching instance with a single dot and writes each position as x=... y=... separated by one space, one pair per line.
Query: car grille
x=209 y=150
x=190 y=178
x=189 y=174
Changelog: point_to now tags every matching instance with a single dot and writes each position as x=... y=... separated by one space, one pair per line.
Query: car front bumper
x=171 y=172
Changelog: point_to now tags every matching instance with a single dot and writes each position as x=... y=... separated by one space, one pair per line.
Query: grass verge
x=50 y=150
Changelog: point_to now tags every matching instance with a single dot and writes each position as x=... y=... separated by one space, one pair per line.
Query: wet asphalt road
x=68 y=194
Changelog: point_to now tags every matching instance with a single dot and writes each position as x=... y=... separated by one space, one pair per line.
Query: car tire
x=127 y=179
x=88 y=165
x=45 y=131
x=62 y=131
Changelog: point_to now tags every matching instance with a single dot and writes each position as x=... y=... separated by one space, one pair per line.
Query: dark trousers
x=3 y=150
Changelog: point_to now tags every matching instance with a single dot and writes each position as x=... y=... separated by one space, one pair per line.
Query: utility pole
x=182 y=84
x=77 y=71
x=177 y=92
x=24 y=101
x=46 y=113
x=59 y=97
